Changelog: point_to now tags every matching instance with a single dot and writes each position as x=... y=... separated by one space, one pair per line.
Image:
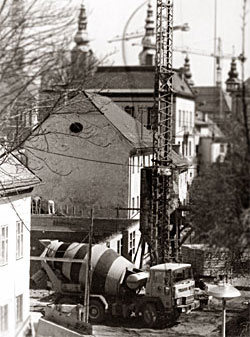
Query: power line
x=81 y=158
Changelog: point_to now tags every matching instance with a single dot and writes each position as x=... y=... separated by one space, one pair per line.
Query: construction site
x=128 y=187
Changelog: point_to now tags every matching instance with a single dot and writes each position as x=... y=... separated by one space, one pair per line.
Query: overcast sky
x=107 y=18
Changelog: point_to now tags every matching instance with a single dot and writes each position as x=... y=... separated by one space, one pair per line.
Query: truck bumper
x=189 y=307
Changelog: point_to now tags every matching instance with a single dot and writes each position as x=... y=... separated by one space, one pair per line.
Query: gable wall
x=72 y=181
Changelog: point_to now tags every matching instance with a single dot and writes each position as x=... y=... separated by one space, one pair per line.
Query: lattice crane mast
x=162 y=175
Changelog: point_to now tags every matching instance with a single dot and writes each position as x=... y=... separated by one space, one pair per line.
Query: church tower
x=187 y=71
x=233 y=82
x=147 y=55
x=82 y=59
x=17 y=21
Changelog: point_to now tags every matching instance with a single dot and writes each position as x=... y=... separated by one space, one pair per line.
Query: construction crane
x=162 y=135
x=157 y=197
x=162 y=173
x=135 y=35
x=218 y=56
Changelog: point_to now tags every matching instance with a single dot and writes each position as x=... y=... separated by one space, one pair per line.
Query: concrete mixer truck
x=117 y=287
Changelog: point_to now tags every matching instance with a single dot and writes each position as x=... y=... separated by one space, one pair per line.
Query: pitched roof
x=128 y=126
x=14 y=176
x=208 y=99
x=215 y=131
x=131 y=129
x=135 y=78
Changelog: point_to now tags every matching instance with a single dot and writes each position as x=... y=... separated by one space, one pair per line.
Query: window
x=76 y=127
x=19 y=240
x=179 y=118
x=19 y=308
x=133 y=164
x=133 y=205
x=3 y=245
x=149 y=60
x=149 y=117
x=108 y=244
x=138 y=202
x=4 y=318
x=130 y=110
x=182 y=148
x=190 y=148
x=191 y=120
x=27 y=117
x=119 y=247
x=222 y=148
x=138 y=164
x=132 y=242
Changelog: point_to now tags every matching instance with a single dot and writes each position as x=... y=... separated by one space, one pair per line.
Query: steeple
x=218 y=75
x=187 y=72
x=81 y=38
x=232 y=83
x=146 y=56
x=17 y=25
x=81 y=55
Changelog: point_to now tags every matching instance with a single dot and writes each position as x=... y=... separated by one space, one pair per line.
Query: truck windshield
x=182 y=274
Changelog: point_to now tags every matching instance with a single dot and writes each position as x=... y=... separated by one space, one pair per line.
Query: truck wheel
x=149 y=314
x=96 y=311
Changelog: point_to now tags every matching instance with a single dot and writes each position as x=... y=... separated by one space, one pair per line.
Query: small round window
x=76 y=127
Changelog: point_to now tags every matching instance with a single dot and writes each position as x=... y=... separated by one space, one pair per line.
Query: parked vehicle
x=117 y=287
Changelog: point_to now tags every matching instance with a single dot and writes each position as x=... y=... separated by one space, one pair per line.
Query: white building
x=211 y=141
x=16 y=183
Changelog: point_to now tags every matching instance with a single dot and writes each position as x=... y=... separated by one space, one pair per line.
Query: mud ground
x=199 y=323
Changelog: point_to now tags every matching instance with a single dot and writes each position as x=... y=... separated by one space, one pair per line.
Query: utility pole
x=243 y=87
x=88 y=272
x=215 y=41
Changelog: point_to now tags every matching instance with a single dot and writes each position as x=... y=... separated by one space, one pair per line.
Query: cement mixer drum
x=108 y=267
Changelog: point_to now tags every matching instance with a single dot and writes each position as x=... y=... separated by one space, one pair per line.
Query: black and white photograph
x=124 y=168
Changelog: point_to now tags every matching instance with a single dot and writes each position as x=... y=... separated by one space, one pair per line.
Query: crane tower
x=162 y=174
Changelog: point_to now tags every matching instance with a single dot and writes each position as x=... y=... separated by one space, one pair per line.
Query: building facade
x=15 y=215
x=83 y=153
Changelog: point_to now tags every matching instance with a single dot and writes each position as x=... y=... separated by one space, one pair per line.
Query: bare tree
x=31 y=33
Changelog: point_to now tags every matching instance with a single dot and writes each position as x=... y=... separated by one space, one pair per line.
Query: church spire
x=147 y=54
x=187 y=72
x=17 y=24
x=232 y=83
x=82 y=58
x=81 y=38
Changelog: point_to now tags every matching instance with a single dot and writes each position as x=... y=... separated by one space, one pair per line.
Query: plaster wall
x=136 y=164
x=14 y=274
x=84 y=170
x=184 y=115
x=218 y=151
x=205 y=150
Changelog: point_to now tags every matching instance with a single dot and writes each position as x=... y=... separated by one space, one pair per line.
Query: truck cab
x=173 y=285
